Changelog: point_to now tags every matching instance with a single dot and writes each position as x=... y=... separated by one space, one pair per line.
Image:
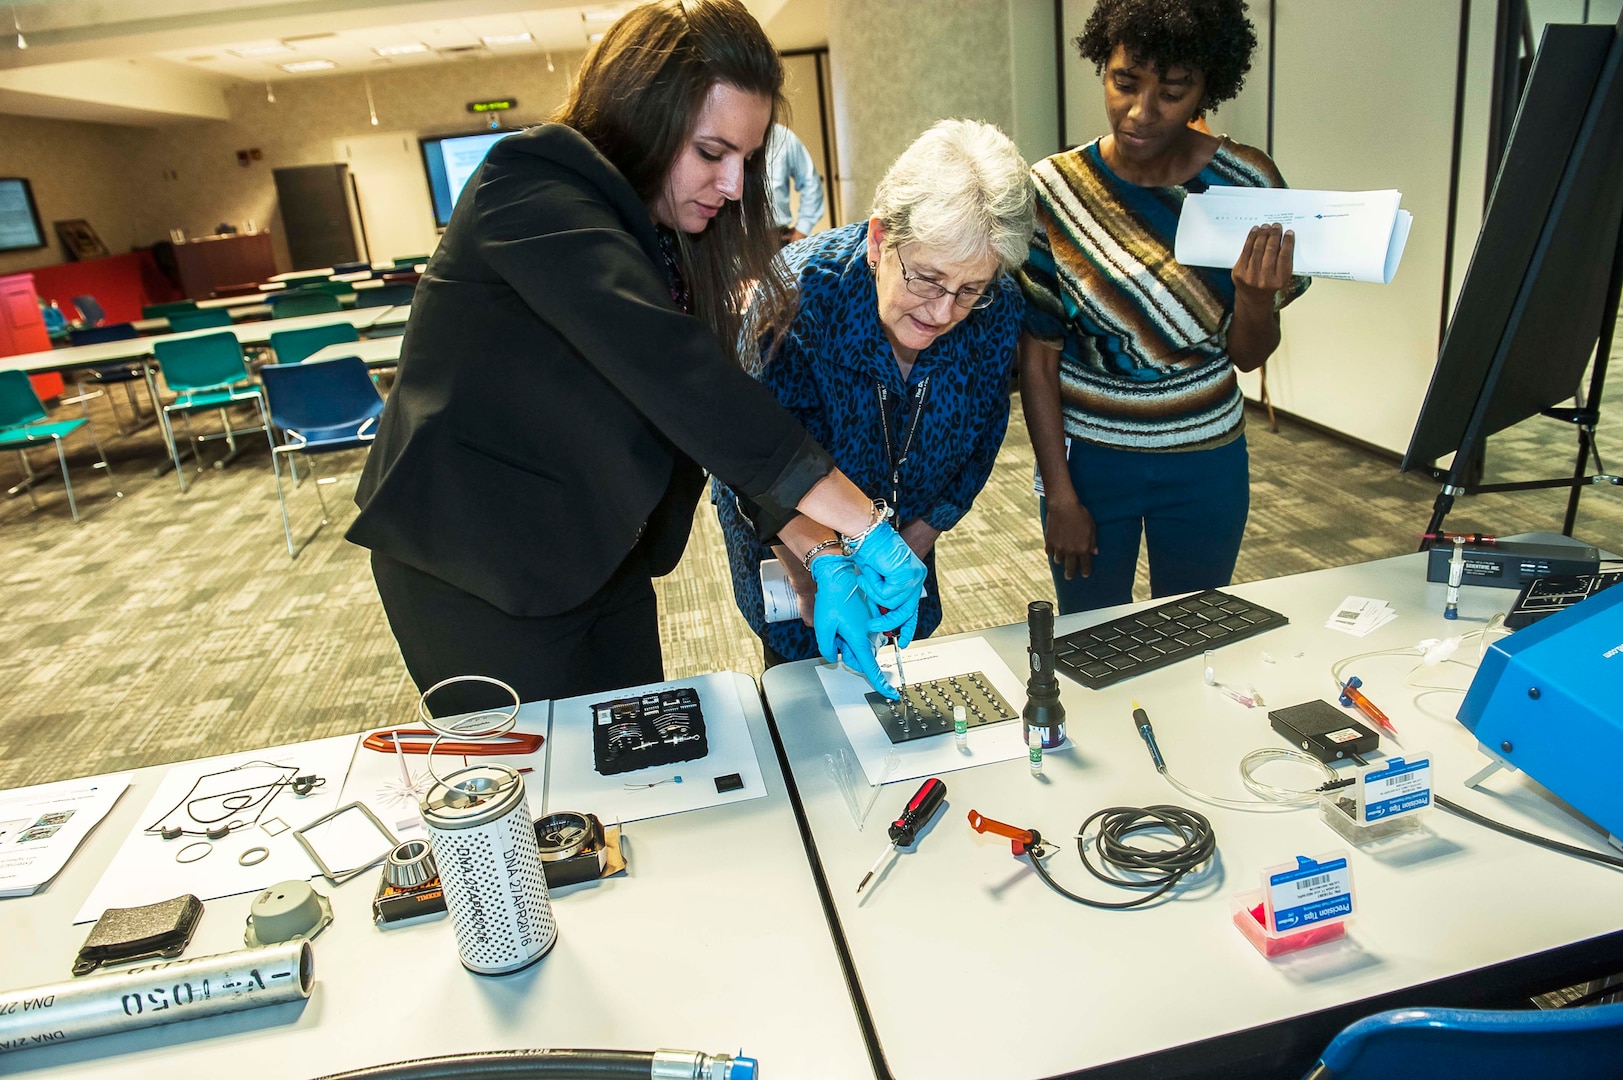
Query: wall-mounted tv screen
x=450 y=160
x=19 y=219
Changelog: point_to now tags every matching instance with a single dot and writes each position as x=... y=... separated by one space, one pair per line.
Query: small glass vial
x=1034 y=751
x=960 y=727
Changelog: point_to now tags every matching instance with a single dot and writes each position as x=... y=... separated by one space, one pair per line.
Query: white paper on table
x=573 y=782
x=145 y=871
x=921 y=662
x=1359 y=615
x=374 y=776
x=1349 y=235
x=42 y=826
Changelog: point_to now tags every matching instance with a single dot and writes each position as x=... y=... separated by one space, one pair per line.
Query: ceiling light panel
x=400 y=50
x=508 y=39
x=299 y=66
x=255 y=49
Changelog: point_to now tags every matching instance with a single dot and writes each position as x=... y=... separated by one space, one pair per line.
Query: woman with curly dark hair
x=1127 y=361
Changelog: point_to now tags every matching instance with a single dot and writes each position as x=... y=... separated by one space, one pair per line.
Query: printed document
x=41 y=827
x=1350 y=235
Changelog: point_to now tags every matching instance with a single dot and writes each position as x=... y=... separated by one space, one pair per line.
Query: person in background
x=789 y=163
x=897 y=357
x=1128 y=358
x=562 y=379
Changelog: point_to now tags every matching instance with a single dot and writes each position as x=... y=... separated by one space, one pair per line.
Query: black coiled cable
x=1154 y=868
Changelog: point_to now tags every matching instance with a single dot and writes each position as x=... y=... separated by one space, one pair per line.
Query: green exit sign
x=500 y=105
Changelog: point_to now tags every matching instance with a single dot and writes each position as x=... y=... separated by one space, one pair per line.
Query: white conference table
x=239 y=312
x=1020 y=982
x=713 y=940
x=377 y=352
x=248 y=333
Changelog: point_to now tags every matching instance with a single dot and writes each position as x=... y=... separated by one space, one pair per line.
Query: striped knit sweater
x=1143 y=340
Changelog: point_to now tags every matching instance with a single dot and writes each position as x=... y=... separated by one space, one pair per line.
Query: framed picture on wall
x=19 y=217
x=79 y=240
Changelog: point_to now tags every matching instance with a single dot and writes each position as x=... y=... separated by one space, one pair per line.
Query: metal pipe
x=156 y=994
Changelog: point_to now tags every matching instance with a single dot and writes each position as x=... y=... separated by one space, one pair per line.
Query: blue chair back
x=350 y=267
x=1572 y=1044
x=163 y=311
x=299 y=302
x=201 y=363
x=323 y=399
x=95 y=335
x=89 y=310
x=199 y=320
x=292 y=346
x=20 y=405
x=384 y=296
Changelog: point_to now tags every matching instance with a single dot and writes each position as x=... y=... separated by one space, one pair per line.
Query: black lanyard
x=915 y=403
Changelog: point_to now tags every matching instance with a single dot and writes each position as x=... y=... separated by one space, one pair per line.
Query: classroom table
x=714 y=940
x=249 y=333
x=1020 y=982
x=377 y=352
x=239 y=312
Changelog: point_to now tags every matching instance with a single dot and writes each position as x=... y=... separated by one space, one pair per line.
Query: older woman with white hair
x=895 y=353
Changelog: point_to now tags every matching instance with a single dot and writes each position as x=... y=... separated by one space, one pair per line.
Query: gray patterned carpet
x=168 y=626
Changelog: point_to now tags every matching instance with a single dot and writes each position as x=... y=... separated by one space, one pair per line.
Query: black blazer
x=553 y=404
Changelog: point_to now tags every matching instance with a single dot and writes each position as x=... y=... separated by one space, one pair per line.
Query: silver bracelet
x=882 y=513
x=826 y=545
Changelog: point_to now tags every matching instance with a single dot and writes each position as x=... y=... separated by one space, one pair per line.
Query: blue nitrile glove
x=840 y=616
x=893 y=578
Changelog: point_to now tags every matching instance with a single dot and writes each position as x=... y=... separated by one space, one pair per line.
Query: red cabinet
x=22 y=328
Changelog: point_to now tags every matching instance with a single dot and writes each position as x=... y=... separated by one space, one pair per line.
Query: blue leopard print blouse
x=829 y=371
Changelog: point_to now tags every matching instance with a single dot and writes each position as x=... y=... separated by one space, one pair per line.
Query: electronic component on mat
x=657 y=728
x=1547 y=595
x=1510 y=565
x=1324 y=731
x=1100 y=656
x=926 y=708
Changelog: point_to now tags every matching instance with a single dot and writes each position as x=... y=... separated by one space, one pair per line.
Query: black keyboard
x=1145 y=640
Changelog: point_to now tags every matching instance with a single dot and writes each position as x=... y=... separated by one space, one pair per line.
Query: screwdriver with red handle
x=905 y=829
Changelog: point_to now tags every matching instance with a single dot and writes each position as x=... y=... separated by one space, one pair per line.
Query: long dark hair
x=637 y=99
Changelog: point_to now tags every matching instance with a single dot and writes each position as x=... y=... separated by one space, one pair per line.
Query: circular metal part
x=287 y=910
x=561 y=835
x=253 y=856
x=472 y=796
x=1533 y=692
x=410 y=865
x=202 y=847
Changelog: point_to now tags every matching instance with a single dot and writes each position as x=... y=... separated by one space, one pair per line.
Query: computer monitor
x=1532 y=303
x=450 y=160
x=19 y=218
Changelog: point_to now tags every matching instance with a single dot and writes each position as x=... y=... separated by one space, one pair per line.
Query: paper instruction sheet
x=1350 y=235
x=921 y=662
x=42 y=826
x=252 y=793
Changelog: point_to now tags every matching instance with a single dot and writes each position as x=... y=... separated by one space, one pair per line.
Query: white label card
x=1394 y=787
x=1309 y=895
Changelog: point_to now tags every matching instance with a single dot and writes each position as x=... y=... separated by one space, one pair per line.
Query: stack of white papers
x=1358 y=615
x=1351 y=235
x=42 y=826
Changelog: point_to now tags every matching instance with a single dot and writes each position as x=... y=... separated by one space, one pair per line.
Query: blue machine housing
x=1549 y=700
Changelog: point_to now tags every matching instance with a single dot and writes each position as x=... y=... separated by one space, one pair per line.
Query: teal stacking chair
x=292 y=346
x=208 y=372
x=320 y=407
x=298 y=302
x=163 y=311
x=206 y=319
x=24 y=425
x=1520 y=1044
x=392 y=295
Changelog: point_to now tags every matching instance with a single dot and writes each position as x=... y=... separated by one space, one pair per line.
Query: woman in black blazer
x=561 y=388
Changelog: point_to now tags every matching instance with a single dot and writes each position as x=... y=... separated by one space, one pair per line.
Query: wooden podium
x=208 y=263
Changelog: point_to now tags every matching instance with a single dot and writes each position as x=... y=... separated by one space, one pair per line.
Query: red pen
x=1351 y=695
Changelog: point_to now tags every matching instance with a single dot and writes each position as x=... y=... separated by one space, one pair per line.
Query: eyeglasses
x=932 y=290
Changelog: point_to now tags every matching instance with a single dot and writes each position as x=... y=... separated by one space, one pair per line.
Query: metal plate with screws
x=926 y=707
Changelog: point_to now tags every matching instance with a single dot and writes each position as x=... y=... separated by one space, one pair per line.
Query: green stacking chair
x=292 y=346
x=199 y=320
x=334 y=288
x=409 y=260
x=298 y=302
x=163 y=311
x=24 y=424
x=208 y=372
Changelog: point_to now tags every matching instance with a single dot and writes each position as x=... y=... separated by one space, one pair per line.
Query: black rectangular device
x=1547 y=595
x=1510 y=564
x=1142 y=641
x=658 y=728
x=1323 y=731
